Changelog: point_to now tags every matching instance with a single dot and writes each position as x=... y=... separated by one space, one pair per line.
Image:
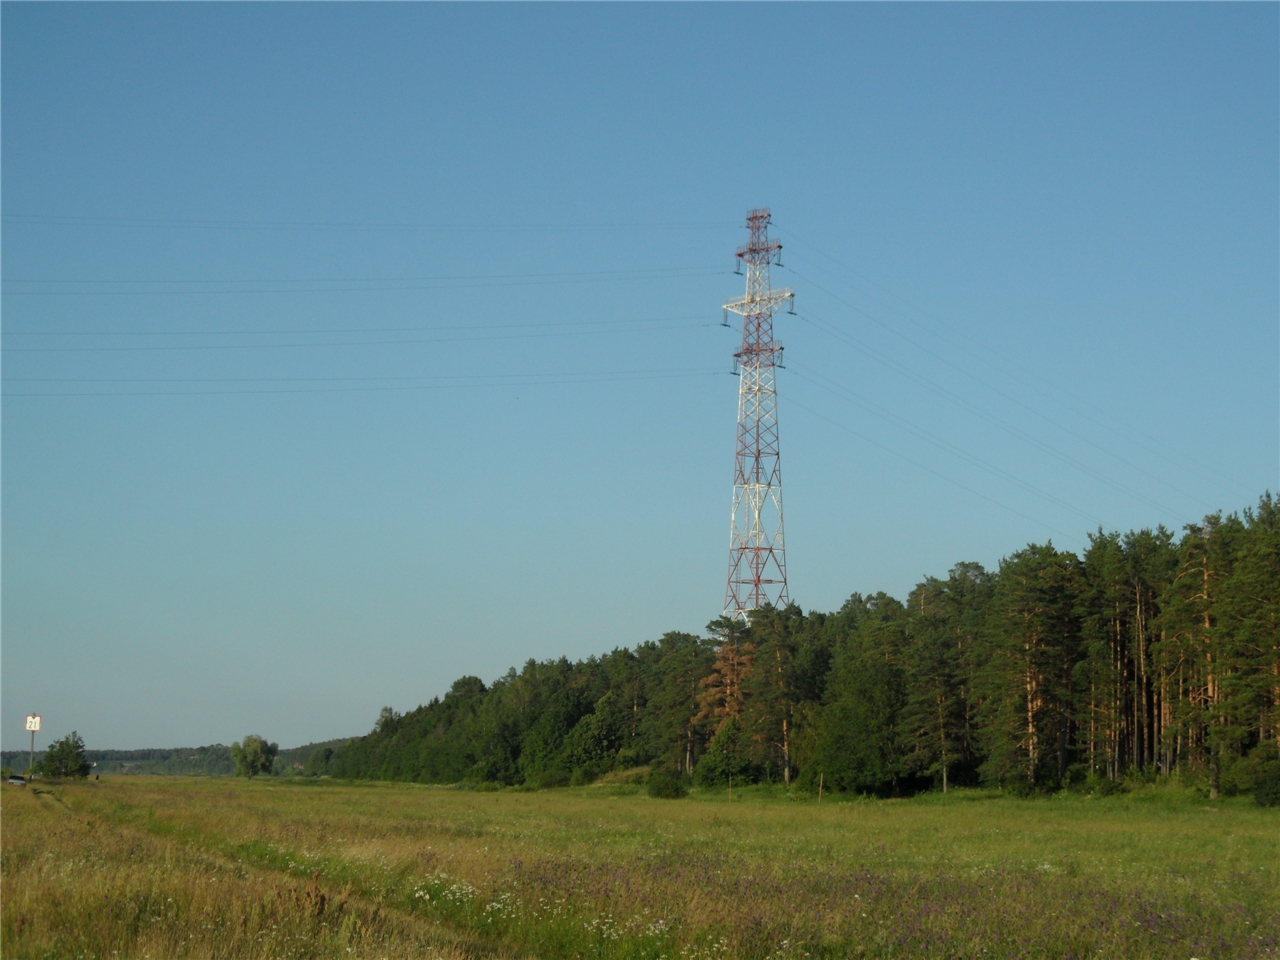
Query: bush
x=1258 y=773
x=1020 y=787
x=666 y=785
x=1106 y=787
x=549 y=779
x=1266 y=785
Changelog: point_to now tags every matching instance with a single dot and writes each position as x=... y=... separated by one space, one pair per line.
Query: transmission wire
x=1152 y=443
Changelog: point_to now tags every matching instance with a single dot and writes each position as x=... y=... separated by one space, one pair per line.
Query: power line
x=480 y=382
x=339 y=379
x=982 y=414
x=170 y=223
x=791 y=402
x=342 y=330
x=1017 y=402
x=401 y=279
x=343 y=343
x=555 y=279
x=902 y=423
x=1012 y=369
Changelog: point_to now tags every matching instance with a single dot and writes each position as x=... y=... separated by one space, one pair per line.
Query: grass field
x=163 y=867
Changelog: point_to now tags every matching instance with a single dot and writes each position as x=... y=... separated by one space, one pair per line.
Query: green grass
x=282 y=868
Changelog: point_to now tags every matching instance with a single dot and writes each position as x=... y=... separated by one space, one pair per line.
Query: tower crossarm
x=764 y=302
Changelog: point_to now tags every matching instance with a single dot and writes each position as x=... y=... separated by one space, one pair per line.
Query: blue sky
x=349 y=349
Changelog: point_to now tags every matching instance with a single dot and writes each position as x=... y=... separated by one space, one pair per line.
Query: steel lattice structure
x=757 y=558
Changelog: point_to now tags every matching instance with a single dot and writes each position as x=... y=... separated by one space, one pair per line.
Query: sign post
x=33 y=724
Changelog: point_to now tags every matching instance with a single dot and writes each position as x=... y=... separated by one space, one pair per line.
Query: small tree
x=255 y=756
x=726 y=758
x=65 y=758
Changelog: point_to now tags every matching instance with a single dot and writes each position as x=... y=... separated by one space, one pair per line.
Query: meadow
x=155 y=867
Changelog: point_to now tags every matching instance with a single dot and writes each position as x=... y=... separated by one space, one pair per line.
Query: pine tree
x=1105 y=668
x=1192 y=647
x=726 y=688
x=1150 y=564
x=1033 y=633
x=859 y=743
x=671 y=726
x=933 y=716
x=64 y=758
x=1248 y=632
x=774 y=689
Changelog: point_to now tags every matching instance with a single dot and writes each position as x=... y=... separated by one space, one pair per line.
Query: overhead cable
x=791 y=402
x=347 y=343
x=497 y=381
x=1012 y=369
x=876 y=410
x=305 y=225
x=528 y=281
x=995 y=421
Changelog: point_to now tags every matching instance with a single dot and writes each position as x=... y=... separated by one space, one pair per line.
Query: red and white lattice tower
x=757 y=559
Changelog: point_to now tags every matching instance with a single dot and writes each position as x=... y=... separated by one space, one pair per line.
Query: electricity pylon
x=757 y=557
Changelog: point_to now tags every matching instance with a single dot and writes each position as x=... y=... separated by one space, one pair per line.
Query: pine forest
x=1150 y=656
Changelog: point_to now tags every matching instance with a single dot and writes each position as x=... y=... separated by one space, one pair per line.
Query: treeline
x=1149 y=656
x=211 y=761
x=214 y=760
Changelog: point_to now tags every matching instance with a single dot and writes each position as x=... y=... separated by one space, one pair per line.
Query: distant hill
x=211 y=761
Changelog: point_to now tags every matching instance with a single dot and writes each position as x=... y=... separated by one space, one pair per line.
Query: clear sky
x=349 y=349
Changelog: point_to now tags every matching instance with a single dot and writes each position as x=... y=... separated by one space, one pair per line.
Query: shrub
x=1258 y=773
x=1105 y=786
x=666 y=784
x=1019 y=787
x=1266 y=785
x=549 y=778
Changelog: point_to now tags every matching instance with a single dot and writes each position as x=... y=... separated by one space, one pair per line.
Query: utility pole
x=757 y=559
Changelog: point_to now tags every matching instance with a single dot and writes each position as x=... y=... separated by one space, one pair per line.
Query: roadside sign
x=33 y=724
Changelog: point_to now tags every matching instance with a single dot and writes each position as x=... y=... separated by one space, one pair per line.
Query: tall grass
x=75 y=884
x=306 y=869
